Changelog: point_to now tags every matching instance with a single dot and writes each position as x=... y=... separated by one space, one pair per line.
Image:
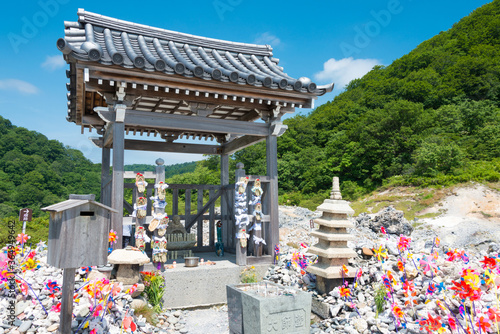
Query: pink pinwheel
x=428 y=264
x=403 y=243
x=56 y=308
x=493 y=314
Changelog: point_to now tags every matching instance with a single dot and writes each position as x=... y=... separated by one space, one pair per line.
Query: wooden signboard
x=25 y=215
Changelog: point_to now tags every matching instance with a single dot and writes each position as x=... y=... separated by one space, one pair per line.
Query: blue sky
x=328 y=41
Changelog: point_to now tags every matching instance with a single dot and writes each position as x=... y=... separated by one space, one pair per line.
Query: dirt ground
x=471 y=217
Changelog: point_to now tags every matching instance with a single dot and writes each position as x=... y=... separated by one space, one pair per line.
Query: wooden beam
x=142 y=77
x=240 y=143
x=108 y=137
x=160 y=121
x=203 y=210
x=157 y=146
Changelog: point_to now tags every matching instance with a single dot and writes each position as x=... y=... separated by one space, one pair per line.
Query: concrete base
x=320 y=308
x=203 y=285
x=325 y=285
x=252 y=311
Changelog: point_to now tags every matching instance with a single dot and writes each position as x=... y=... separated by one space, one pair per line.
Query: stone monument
x=332 y=249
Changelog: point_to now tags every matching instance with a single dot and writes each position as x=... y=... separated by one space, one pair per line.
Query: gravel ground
x=208 y=320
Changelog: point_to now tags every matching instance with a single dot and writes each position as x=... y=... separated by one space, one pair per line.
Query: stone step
x=332 y=236
x=336 y=206
x=332 y=253
x=330 y=271
x=344 y=223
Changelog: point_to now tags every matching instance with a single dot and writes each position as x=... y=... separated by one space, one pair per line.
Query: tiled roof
x=109 y=41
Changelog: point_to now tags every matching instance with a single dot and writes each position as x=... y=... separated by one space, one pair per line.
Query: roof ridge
x=135 y=28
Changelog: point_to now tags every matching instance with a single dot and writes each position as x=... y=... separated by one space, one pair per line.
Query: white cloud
x=342 y=71
x=18 y=85
x=52 y=63
x=267 y=38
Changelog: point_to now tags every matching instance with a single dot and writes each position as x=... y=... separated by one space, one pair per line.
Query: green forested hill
x=431 y=117
x=36 y=172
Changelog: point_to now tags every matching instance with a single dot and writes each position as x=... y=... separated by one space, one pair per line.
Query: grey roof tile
x=111 y=41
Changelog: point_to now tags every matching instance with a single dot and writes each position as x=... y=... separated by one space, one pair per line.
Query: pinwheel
x=112 y=237
x=345 y=292
x=431 y=289
x=428 y=264
x=452 y=323
x=345 y=271
x=489 y=263
x=381 y=253
x=401 y=266
x=22 y=238
x=56 y=308
x=483 y=324
x=403 y=243
x=397 y=311
x=128 y=323
x=382 y=229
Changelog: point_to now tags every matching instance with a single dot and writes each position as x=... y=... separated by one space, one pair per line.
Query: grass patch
x=148 y=313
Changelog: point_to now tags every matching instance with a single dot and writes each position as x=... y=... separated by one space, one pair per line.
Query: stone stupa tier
x=332 y=249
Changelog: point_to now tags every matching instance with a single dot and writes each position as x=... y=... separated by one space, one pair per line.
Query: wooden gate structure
x=132 y=80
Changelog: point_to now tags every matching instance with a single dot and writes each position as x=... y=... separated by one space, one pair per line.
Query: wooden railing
x=182 y=197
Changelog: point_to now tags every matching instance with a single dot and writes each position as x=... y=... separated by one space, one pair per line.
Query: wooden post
x=160 y=177
x=187 y=211
x=199 y=224
x=68 y=288
x=227 y=223
x=105 y=164
x=272 y=192
x=241 y=252
x=211 y=219
x=118 y=166
x=175 y=202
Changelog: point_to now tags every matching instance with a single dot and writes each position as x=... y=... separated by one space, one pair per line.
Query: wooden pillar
x=241 y=252
x=272 y=195
x=68 y=288
x=227 y=223
x=159 y=177
x=105 y=177
x=118 y=167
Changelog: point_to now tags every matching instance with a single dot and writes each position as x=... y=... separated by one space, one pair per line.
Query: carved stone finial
x=160 y=161
x=335 y=194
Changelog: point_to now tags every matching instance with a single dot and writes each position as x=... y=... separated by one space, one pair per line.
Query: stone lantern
x=332 y=249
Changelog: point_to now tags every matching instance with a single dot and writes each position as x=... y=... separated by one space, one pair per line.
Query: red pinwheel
x=464 y=290
x=382 y=229
x=345 y=292
x=433 y=323
x=22 y=238
x=452 y=322
x=129 y=323
x=401 y=266
x=483 y=323
x=56 y=308
x=489 y=263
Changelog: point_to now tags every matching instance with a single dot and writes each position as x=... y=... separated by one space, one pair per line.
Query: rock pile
x=419 y=298
x=391 y=219
x=37 y=308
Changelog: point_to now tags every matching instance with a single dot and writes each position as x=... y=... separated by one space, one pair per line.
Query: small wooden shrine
x=128 y=79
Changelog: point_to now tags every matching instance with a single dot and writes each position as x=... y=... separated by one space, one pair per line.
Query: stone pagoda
x=332 y=249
